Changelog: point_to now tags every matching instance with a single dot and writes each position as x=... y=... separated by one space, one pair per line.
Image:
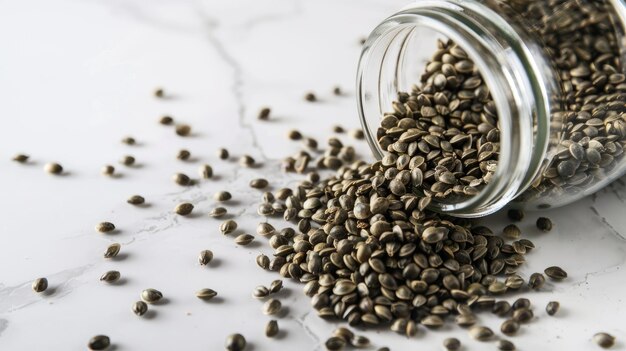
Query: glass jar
x=555 y=72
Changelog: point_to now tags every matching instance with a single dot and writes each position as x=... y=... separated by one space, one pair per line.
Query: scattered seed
x=136 y=200
x=544 y=224
x=246 y=161
x=99 y=342
x=294 y=135
x=108 y=170
x=21 y=158
x=451 y=344
x=105 y=227
x=271 y=329
x=359 y=341
x=481 y=333
x=604 y=340
x=258 y=183
x=523 y=315
x=556 y=273
x=159 y=92
x=183 y=155
x=263 y=261
x=127 y=160
x=40 y=285
x=112 y=250
x=511 y=231
x=272 y=307
x=222 y=196
x=218 y=212
x=276 y=286
x=244 y=239
x=110 y=277
x=206 y=171
x=335 y=343
x=338 y=92
x=206 y=294
x=183 y=129
x=151 y=295
x=228 y=226
x=140 y=308
x=510 y=327
x=166 y=120
x=515 y=215
x=265 y=229
x=181 y=179
x=129 y=140
x=260 y=292
x=310 y=143
x=505 y=345
x=552 y=308
x=206 y=256
x=235 y=342
x=183 y=209
x=357 y=134
x=53 y=168
x=536 y=281
x=222 y=153
x=310 y=97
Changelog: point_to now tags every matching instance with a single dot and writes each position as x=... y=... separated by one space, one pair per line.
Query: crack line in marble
x=606 y=223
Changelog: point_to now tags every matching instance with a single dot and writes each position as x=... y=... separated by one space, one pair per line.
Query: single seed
x=604 y=340
x=105 y=227
x=359 y=341
x=228 y=226
x=258 y=183
x=263 y=261
x=181 y=179
x=222 y=153
x=112 y=250
x=206 y=171
x=159 y=92
x=556 y=273
x=110 y=277
x=451 y=344
x=136 y=200
x=244 y=239
x=235 y=342
x=544 y=224
x=108 y=170
x=552 y=308
x=183 y=129
x=222 y=196
x=536 y=281
x=272 y=307
x=265 y=229
x=246 y=161
x=523 y=315
x=21 y=158
x=218 y=212
x=264 y=113
x=505 y=345
x=183 y=155
x=129 y=140
x=294 y=135
x=260 y=292
x=99 y=342
x=515 y=215
x=511 y=231
x=481 y=333
x=271 y=329
x=206 y=294
x=166 y=120
x=151 y=295
x=127 y=160
x=183 y=209
x=53 y=168
x=310 y=143
x=40 y=285
x=310 y=97
x=337 y=91
x=140 y=308
x=335 y=343
x=510 y=327
x=344 y=333
x=357 y=134
x=206 y=256
x=276 y=286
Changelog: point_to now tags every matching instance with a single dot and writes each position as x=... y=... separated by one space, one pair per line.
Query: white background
x=77 y=76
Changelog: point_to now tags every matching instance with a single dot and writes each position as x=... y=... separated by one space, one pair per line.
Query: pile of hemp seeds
x=363 y=241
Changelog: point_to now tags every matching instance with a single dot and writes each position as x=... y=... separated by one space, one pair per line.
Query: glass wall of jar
x=522 y=101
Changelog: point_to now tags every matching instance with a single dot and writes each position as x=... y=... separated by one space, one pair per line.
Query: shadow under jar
x=551 y=90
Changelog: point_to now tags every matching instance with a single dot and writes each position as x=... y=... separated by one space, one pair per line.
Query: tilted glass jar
x=555 y=70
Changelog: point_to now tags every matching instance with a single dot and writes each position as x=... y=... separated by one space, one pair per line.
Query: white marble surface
x=77 y=76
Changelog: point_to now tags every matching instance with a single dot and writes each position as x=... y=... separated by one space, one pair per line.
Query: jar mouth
x=508 y=69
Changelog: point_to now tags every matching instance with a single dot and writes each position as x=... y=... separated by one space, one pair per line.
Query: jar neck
x=513 y=67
